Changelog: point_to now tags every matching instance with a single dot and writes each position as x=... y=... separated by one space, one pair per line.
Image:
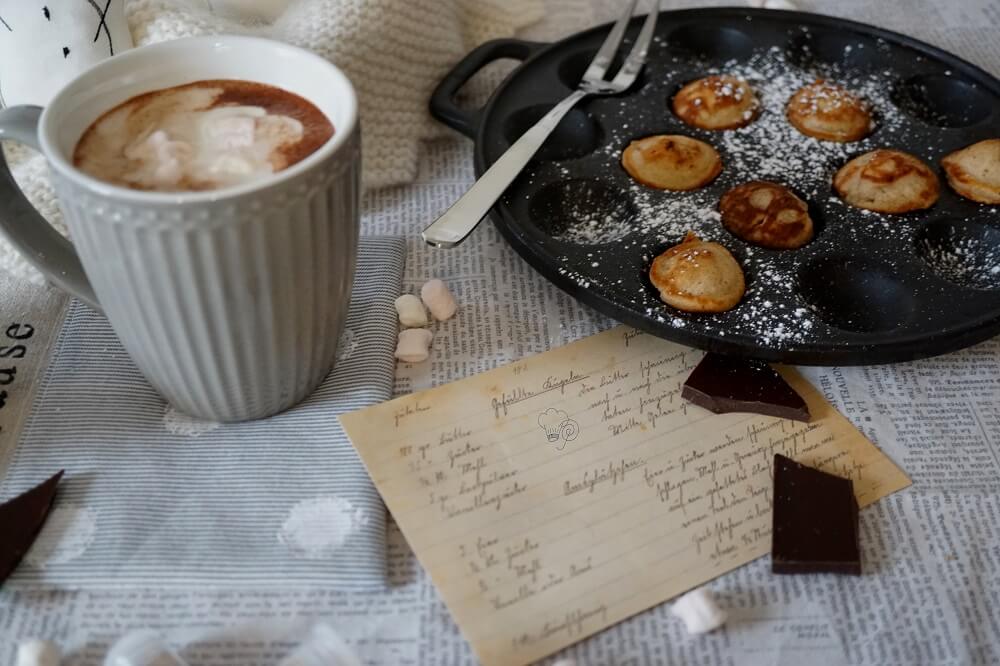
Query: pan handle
x=442 y=102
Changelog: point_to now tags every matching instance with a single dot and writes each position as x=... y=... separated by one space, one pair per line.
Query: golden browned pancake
x=671 y=162
x=829 y=112
x=716 y=103
x=974 y=171
x=766 y=214
x=698 y=276
x=887 y=181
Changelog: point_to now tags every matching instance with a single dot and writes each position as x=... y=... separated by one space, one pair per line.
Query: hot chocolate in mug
x=230 y=301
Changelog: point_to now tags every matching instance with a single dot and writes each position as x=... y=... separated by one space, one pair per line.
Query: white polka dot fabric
x=153 y=497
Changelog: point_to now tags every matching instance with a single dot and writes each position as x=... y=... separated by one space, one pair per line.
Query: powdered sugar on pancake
x=769 y=148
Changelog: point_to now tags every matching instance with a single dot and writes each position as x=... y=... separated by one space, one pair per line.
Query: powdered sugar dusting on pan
x=769 y=148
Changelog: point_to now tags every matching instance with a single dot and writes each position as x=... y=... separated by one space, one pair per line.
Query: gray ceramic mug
x=231 y=302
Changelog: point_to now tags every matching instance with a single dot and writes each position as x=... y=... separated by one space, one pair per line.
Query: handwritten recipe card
x=557 y=496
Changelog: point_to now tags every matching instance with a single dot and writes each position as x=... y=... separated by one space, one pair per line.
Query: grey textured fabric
x=151 y=497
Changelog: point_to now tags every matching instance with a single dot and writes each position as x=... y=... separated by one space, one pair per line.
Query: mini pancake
x=716 y=103
x=887 y=181
x=698 y=276
x=829 y=112
x=974 y=171
x=766 y=214
x=671 y=162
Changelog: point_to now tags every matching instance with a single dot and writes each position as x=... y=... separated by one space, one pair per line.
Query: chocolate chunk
x=724 y=384
x=22 y=518
x=815 y=528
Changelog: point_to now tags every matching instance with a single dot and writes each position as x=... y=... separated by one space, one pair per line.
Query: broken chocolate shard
x=724 y=384
x=21 y=519
x=815 y=521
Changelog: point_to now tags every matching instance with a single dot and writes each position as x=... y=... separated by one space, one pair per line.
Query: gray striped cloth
x=151 y=497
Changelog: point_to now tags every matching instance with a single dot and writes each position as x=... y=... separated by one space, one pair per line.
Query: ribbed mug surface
x=231 y=308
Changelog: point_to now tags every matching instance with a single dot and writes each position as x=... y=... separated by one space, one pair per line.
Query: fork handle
x=465 y=214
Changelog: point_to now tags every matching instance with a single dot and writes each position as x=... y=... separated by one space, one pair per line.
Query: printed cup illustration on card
x=559 y=428
x=45 y=43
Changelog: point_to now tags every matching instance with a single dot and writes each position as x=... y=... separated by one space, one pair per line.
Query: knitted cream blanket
x=394 y=51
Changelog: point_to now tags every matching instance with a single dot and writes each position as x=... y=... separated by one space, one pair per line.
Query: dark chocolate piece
x=723 y=384
x=21 y=519
x=815 y=528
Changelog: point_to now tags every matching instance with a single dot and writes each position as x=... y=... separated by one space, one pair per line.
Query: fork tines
x=598 y=68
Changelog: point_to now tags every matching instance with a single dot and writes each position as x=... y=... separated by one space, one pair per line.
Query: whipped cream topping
x=219 y=147
x=201 y=136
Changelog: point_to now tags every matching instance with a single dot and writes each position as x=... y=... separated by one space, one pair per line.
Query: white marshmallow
x=37 y=653
x=323 y=647
x=230 y=131
x=143 y=647
x=167 y=158
x=699 y=611
x=438 y=299
x=565 y=662
x=230 y=165
x=413 y=345
x=411 y=311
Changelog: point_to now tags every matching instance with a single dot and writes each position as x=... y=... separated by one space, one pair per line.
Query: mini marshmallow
x=37 y=653
x=230 y=165
x=411 y=311
x=699 y=611
x=231 y=131
x=168 y=157
x=413 y=345
x=565 y=662
x=323 y=647
x=143 y=647
x=438 y=299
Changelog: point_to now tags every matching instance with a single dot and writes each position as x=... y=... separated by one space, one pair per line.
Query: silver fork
x=465 y=214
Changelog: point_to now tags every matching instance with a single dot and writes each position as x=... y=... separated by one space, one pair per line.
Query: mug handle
x=25 y=228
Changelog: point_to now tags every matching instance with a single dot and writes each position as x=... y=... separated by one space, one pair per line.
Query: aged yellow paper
x=554 y=497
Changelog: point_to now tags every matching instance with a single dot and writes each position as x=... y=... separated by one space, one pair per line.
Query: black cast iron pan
x=869 y=289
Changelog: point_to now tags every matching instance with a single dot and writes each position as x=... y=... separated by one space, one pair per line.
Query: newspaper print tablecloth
x=931 y=552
